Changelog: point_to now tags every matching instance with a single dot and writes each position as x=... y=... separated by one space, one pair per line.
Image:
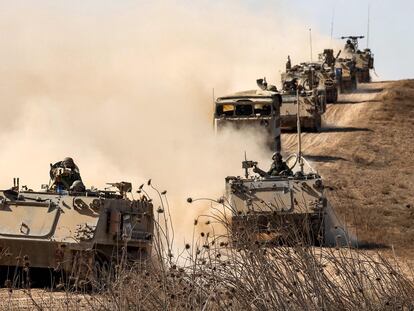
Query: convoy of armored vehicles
x=291 y=207
x=307 y=88
x=76 y=231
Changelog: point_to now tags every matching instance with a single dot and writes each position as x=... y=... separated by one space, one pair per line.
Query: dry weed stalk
x=213 y=273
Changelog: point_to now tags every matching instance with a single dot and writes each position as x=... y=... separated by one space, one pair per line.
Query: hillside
x=365 y=153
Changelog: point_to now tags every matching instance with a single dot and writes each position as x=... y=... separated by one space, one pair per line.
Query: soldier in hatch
x=349 y=46
x=262 y=84
x=278 y=166
x=65 y=176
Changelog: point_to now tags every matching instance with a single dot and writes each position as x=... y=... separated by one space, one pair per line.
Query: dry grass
x=371 y=173
x=210 y=274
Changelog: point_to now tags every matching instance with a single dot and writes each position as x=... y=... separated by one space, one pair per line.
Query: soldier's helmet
x=277 y=156
x=348 y=41
x=68 y=163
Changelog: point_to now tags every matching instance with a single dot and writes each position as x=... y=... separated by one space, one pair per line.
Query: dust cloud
x=126 y=90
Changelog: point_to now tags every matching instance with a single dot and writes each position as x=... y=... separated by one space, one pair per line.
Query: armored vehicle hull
x=72 y=232
x=346 y=75
x=251 y=110
x=364 y=63
x=311 y=108
x=363 y=75
x=307 y=83
x=286 y=209
x=331 y=91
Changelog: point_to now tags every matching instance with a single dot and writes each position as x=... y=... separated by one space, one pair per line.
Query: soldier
x=278 y=166
x=65 y=176
x=288 y=64
x=262 y=84
x=349 y=46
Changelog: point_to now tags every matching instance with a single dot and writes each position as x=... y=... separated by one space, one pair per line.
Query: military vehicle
x=288 y=208
x=301 y=84
x=253 y=109
x=346 y=74
x=72 y=232
x=364 y=59
x=327 y=74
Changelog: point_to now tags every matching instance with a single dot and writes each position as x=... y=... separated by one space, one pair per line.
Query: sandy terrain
x=38 y=299
x=364 y=152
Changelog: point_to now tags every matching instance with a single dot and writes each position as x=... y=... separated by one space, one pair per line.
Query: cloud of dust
x=336 y=233
x=126 y=90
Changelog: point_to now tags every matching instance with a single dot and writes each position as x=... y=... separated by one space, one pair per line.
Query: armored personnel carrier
x=301 y=84
x=346 y=74
x=364 y=62
x=327 y=74
x=364 y=59
x=72 y=232
x=285 y=208
x=254 y=109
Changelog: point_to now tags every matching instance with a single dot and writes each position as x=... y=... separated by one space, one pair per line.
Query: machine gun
x=246 y=165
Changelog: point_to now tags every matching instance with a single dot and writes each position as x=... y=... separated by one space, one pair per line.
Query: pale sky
x=391 y=21
x=391 y=27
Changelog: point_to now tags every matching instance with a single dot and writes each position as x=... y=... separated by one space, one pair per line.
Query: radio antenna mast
x=299 y=157
x=214 y=112
x=310 y=41
x=332 y=23
x=369 y=7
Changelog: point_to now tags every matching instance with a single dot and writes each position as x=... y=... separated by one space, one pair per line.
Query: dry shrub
x=213 y=273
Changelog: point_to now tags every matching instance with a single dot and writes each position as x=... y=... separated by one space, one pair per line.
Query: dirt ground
x=39 y=299
x=364 y=152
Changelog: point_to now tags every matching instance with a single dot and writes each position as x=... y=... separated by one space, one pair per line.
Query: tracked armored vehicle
x=364 y=62
x=72 y=232
x=364 y=59
x=327 y=74
x=301 y=83
x=346 y=74
x=287 y=208
x=254 y=109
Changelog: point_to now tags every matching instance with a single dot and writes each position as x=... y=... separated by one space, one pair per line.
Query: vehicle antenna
x=310 y=41
x=214 y=112
x=369 y=7
x=299 y=130
x=332 y=23
x=246 y=170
